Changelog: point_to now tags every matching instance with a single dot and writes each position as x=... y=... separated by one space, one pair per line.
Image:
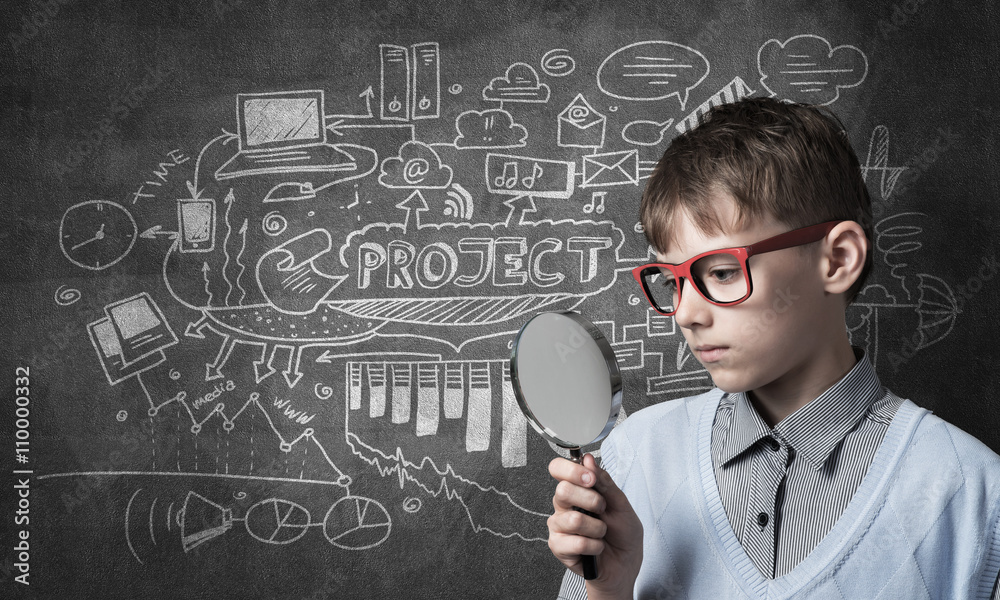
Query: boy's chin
x=729 y=383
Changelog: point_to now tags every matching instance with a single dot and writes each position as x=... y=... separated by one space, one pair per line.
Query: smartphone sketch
x=196 y=221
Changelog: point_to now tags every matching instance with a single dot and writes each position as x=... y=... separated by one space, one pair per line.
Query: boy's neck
x=804 y=382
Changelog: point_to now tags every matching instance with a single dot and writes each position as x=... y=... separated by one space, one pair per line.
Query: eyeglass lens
x=719 y=277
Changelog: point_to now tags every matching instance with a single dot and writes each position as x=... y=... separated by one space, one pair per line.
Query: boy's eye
x=725 y=274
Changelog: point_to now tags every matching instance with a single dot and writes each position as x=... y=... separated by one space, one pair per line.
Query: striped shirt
x=783 y=488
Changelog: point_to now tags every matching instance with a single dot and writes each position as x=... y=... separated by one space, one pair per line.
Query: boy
x=799 y=475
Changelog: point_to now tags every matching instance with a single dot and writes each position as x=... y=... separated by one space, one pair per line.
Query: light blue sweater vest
x=922 y=524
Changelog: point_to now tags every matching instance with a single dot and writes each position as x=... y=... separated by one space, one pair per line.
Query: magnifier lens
x=564 y=380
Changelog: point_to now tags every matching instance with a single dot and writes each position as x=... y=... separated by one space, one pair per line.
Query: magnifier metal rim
x=609 y=358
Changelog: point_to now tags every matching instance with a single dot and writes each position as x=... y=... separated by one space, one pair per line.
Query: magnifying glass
x=567 y=383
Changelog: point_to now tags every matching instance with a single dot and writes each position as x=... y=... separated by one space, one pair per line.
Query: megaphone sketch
x=202 y=520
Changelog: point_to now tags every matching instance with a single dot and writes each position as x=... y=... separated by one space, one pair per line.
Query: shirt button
x=772 y=444
x=762 y=519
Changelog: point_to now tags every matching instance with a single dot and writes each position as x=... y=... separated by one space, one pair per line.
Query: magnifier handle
x=589 y=561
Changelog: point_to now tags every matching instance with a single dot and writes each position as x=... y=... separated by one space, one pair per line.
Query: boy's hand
x=615 y=537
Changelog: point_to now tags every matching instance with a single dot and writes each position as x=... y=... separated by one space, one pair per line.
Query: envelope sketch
x=580 y=126
x=611 y=168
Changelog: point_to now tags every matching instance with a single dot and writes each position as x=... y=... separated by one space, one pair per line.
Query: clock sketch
x=97 y=234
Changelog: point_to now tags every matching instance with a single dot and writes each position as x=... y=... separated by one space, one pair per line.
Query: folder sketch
x=139 y=327
x=283 y=132
x=109 y=352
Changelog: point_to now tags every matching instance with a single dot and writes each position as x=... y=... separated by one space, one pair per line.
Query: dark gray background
x=931 y=80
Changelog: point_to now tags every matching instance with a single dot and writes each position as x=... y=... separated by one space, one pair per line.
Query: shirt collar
x=746 y=427
x=814 y=430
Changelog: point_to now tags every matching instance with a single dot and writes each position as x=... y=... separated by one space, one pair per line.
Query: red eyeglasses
x=721 y=276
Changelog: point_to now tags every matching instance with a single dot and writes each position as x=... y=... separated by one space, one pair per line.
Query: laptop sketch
x=283 y=132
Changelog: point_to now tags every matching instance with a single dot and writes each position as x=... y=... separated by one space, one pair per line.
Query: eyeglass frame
x=789 y=239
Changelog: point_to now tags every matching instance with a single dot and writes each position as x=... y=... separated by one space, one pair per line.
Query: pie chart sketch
x=356 y=523
x=277 y=521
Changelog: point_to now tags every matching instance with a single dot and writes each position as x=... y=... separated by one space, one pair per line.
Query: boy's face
x=774 y=337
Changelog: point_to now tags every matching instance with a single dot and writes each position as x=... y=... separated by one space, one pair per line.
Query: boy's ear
x=844 y=252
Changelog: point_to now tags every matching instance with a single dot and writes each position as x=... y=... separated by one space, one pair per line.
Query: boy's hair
x=790 y=161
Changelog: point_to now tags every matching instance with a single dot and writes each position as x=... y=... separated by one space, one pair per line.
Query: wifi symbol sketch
x=458 y=204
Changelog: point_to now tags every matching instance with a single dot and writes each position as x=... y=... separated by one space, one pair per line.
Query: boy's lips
x=710 y=353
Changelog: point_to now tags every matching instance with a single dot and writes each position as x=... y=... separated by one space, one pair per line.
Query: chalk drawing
x=877 y=160
x=558 y=62
x=610 y=169
x=519 y=84
x=731 y=92
x=580 y=126
x=96 y=234
x=417 y=166
x=652 y=70
x=806 y=68
x=492 y=128
x=643 y=132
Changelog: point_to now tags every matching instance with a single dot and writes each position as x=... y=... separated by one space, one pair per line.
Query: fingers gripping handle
x=589 y=561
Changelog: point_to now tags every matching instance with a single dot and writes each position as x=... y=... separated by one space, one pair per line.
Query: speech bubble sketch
x=416 y=166
x=652 y=70
x=645 y=133
x=519 y=84
x=493 y=128
x=806 y=68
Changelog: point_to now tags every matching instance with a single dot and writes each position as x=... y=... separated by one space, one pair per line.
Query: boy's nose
x=692 y=308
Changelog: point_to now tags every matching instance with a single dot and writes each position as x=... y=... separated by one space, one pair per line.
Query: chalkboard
x=264 y=262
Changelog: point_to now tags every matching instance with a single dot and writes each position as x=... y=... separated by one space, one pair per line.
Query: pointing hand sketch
x=288 y=276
